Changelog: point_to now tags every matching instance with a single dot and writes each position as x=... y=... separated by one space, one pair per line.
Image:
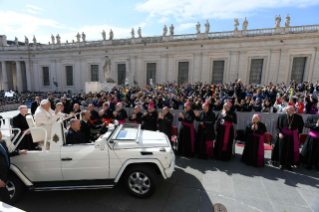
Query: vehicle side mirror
x=111 y=144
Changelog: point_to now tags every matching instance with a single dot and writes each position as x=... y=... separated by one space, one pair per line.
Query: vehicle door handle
x=66 y=159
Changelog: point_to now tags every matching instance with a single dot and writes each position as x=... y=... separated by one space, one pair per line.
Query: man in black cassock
x=136 y=117
x=165 y=122
x=120 y=114
x=310 y=151
x=35 y=105
x=254 y=150
x=205 y=132
x=19 y=121
x=107 y=116
x=225 y=133
x=186 y=136
x=150 y=118
x=94 y=115
x=288 y=128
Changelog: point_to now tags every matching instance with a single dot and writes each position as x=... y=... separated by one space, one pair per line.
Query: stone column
x=36 y=76
x=197 y=66
x=162 y=70
x=19 y=76
x=84 y=74
x=170 y=67
x=59 y=75
x=4 y=76
x=77 y=76
x=204 y=71
x=28 y=74
x=129 y=75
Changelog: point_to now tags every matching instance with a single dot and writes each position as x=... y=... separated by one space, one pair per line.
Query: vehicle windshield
x=127 y=132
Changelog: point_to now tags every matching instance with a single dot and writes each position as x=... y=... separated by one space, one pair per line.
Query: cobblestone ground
x=196 y=186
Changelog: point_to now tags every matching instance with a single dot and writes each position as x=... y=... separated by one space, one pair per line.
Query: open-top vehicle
x=125 y=152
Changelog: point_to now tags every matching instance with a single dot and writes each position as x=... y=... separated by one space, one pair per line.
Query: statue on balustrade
x=207 y=27
x=26 y=41
x=287 y=21
x=245 y=24
x=139 y=32
x=52 y=39
x=78 y=37
x=198 y=28
x=58 y=39
x=103 y=35
x=83 y=37
x=277 y=21
x=34 y=40
x=133 y=33
x=236 y=24
x=111 y=35
x=164 y=30
x=107 y=71
x=16 y=41
x=171 y=29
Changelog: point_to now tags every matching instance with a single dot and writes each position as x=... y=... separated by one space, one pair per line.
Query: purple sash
x=261 y=150
x=121 y=121
x=294 y=134
x=315 y=135
x=191 y=125
x=209 y=147
x=226 y=136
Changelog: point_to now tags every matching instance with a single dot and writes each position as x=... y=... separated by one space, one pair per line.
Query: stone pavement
x=196 y=186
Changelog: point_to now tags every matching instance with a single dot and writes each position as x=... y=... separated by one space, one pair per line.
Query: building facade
x=255 y=56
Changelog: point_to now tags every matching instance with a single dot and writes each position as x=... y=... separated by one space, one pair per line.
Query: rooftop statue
x=245 y=24
x=139 y=32
x=198 y=28
x=277 y=21
x=207 y=27
x=111 y=35
x=53 y=39
x=58 y=39
x=16 y=41
x=287 y=21
x=164 y=30
x=26 y=41
x=83 y=37
x=236 y=24
x=171 y=29
x=103 y=35
x=78 y=37
x=107 y=71
x=34 y=40
x=133 y=33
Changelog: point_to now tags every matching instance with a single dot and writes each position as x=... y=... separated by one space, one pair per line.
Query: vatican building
x=256 y=56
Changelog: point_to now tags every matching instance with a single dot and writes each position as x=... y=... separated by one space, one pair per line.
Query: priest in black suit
x=165 y=122
x=74 y=135
x=94 y=115
x=4 y=167
x=35 y=105
x=150 y=118
x=288 y=128
x=86 y=127
x=19 y=121
x=136 y=117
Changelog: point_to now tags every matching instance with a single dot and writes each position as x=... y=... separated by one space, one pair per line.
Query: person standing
x=50 y=98
x=224 y=133
x=310 y=151
x=35 y=105
x=150 y=118
x=107 y=115
x=19 y=121
x=4 y=167
x=205 y=132
x=186 y=136
x=120 y=114
x=288 y=128
x=254 y=151
x=136 y=117
x=165 y=122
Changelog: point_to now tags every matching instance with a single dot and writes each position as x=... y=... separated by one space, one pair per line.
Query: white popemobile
x=125 y=152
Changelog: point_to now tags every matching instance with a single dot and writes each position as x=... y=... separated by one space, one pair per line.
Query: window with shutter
x=183 y=72
x=46 y=76
x=121 y=74
x=298 y=69
x=69 y=75
x=218 y=72
x=94 y=73
x=256 y=71
x=151 y=73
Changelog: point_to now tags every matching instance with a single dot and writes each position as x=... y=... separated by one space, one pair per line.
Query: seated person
x=61 y=108
x=74 y=135
x=86 y=127
x=94 y=116
x=77 y=110
x=120 y=114
x=107 y=115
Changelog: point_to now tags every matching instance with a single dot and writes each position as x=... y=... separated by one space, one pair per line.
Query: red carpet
x=267 y=147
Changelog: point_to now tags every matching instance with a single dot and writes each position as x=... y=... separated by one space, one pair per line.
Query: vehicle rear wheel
x=15 y=188
x=141 y=181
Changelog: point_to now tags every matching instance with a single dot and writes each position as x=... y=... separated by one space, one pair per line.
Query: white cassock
x=45 y=119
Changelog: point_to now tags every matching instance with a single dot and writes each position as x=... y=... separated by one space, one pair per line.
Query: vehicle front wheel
x=141 y=181
x=15 y=188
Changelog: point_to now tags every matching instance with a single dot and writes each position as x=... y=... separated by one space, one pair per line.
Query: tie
x=5 y=153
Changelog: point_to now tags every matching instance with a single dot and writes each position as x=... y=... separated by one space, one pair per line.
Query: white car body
x=91 y=165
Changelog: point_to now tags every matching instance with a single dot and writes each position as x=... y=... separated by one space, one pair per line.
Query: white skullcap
x=44 y=101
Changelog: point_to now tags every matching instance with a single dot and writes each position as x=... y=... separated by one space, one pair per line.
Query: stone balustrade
x=169 y=38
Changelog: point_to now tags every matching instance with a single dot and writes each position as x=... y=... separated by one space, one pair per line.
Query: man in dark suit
x=4 y=167
x=35 y=105
x=76 y=110
x=94 y=115
x=66 y=105
x=50 y=98
x=86 y=127
x=110 y=103
x=165 y=122
x=74 y=135
x=19 y=121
